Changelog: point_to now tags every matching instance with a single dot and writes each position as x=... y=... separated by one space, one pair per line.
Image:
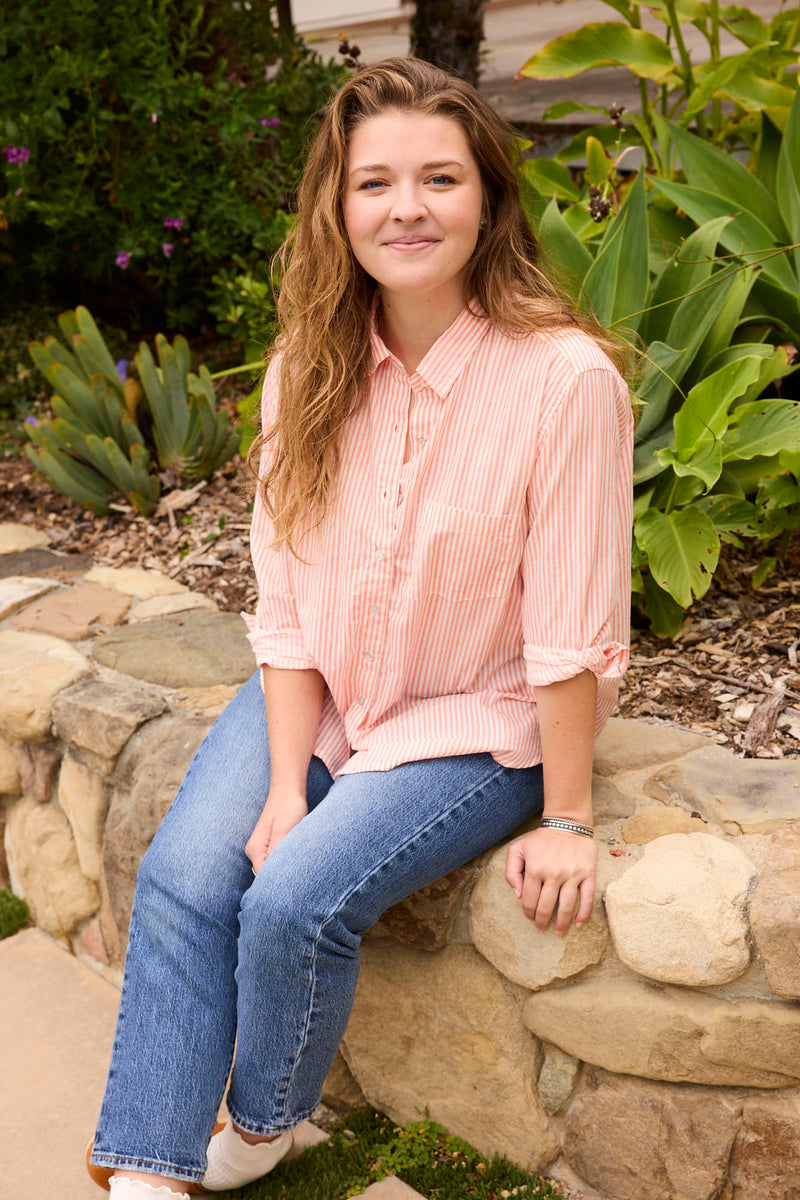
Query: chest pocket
x=462 y=555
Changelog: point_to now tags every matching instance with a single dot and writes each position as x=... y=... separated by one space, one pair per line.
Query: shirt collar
x=449 y=354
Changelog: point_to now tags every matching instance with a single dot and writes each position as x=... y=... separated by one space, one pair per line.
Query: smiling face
x=412 y=204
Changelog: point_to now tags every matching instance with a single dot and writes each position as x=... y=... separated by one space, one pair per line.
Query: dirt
x=732 y=671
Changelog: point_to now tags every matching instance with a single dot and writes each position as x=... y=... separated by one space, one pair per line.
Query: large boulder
x=35 y=669
x=188 y=650
x=45 y=869
x=775 y=914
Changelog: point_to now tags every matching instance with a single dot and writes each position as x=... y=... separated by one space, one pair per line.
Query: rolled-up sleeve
x=576 y=563
x=274 y=630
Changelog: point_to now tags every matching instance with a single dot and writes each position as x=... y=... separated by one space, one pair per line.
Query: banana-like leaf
x=565 y=252
x=730 y=514
x=682 y=550
x=705 y=464
x=728 y=319
x=755 y=93
x=617 y=282
x=603 y=44
x=763 y=427
x=551 y=178
x=666 y=617
x=788 y=178
x=703 y=416
x=689 y=267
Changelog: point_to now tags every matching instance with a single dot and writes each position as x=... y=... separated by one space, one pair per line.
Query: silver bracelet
x=567 y=825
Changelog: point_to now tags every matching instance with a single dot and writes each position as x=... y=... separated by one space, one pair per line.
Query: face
x=412 y=203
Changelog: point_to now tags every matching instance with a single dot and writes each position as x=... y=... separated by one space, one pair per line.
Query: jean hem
x=262 y=1130
x=147 y=1165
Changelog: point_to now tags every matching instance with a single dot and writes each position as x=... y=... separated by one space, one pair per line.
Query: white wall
x=325 y=14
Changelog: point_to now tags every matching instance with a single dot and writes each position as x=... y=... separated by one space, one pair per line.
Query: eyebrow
x=429 y=166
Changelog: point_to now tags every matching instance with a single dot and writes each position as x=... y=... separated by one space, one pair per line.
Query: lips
x=411 y=243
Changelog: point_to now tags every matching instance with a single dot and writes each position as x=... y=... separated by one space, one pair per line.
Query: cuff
x=548 y=664
x=284 y=649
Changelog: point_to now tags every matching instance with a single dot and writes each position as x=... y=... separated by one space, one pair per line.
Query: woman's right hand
x=284 y=809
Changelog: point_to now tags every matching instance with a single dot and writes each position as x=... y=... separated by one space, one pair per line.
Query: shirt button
x=422 y=441
x=374 y=609
x=367 y=656
x=400 y=499
x=359 y=699
x=379 y=554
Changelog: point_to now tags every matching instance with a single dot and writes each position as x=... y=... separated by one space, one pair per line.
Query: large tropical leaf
x=682 y=549
x=689 y=266
x=565 y=251
x=602 y=44
x=703 y=416
x=788 y=178
x=618 y=281
x=763 y=427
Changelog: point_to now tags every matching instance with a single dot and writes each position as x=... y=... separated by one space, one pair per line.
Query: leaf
x=788 y=177
x=617 y=282
x=563 y=249
x=602 y=44
x=755 y=93
x=565 y=108
x=598 y=163
x=727 y=321
x=690 y=265
x=764 y=568
x=706 y=463
x=763 y=427
x=744 y=24
x=730 y=514
x=94 y=340
x=682 y=549
x=551 y=178
x=715 y=78
x=666 y=617
x=703 y=416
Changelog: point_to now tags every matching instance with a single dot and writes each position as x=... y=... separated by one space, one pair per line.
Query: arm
x=293 y=701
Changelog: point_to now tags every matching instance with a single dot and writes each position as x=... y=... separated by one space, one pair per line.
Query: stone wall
x=653 y=1055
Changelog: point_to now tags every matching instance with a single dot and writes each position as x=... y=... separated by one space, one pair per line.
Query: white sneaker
x=233 y=1162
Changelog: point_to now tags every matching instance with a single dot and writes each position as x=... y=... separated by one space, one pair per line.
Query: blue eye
x=367 y=185
x=446 y=179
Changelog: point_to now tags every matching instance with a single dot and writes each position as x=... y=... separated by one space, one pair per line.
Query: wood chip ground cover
x=738 y=648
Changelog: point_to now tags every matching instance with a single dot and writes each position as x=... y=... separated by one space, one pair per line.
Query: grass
x=366 y=1146
x=13 y=913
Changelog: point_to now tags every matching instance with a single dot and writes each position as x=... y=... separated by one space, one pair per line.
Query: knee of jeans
x=276 y=913
x=178 y=880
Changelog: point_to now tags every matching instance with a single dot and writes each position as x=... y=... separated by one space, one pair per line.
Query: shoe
x=102 y=1175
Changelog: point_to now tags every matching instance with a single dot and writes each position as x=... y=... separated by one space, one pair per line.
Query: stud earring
x=483 y=223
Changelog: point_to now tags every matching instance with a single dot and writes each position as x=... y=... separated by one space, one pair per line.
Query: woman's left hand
x=551 y=871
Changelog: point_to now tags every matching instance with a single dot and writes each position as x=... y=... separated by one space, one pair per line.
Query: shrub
x=145 y=146
x=14 y=913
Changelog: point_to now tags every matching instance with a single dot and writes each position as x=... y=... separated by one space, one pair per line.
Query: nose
x=408 y=204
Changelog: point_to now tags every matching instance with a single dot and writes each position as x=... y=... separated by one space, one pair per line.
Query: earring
x=483 y=223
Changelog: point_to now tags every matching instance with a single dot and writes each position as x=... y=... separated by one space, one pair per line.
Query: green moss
x=367 y=1146
x=14 y=913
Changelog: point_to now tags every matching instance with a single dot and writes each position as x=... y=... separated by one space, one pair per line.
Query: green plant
x=717 y=448
x=724 y=96
x=147 y=145
x=94 y=446
x=14 y=913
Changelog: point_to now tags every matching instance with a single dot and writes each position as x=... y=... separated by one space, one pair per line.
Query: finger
x=587 y=890
x=548 y=897
x=531 y=893
x=515 y=869
x=566 y=907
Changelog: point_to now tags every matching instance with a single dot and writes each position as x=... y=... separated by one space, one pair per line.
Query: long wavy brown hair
x=325 y=299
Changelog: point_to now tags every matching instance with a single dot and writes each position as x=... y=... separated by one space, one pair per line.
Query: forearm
x=567 y=716
x=293 y=701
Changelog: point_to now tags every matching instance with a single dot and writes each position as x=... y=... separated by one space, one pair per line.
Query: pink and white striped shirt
x=440 y=591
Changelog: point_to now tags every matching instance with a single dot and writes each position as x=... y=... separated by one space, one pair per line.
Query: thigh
x=204 y=832
x=379 y=835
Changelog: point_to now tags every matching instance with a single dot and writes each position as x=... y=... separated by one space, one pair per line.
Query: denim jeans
x=272 y=961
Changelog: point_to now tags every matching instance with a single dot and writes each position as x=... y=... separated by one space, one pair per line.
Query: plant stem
x=254 y=366
x=716 y=107
x=686 y=62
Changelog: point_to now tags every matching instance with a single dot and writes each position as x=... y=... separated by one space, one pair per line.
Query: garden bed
x=735 y=647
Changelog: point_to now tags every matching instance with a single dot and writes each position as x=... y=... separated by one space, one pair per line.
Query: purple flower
x=18 y=192
x=173 y=223
x=268 y=121
x=122 y=368
x=167 y=247
x=17 y=154
x=123 y=259
x=154 y=118
x=30 y=420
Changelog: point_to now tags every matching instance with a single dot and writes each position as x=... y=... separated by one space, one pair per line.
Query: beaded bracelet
x=567 y=825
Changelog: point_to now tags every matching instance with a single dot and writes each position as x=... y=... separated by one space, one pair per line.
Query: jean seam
x=107 y=1159
x=440 y=816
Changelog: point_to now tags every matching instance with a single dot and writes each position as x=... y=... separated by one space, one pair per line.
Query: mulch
x=732 y=672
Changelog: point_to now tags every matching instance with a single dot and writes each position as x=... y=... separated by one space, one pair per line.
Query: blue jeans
x=216 y=954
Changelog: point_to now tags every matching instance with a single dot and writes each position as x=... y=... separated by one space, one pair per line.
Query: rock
x=44 y=861
x=557 y=1078
x=425 y=919
x=83 y=799
x=627 y=745
x=305 y=1135
x=647 y=824
x=503 y=934
x=10 y=783
x=208 y=700
x=742 y=795
x=148 y=775
x=443 y=1032
x=134 y=581
x=37 y=561
x=37 y=768
x=608 y=802
x=390 y=1188
x=166 y=606
x=18 y=590
x=100 y=715
x=20 y=537
x=637 y=1140
x=340 y=1089
x=196 y=649
x=91 y=942
x=677 y=915
x=775 y=914
x=766 y=1155
x=35 y=668
x=635 y=1028
x=73 y=614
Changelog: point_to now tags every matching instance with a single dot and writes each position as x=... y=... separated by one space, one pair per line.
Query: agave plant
x=93 y=447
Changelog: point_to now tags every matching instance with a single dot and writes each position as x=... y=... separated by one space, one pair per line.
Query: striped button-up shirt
x=439 y=591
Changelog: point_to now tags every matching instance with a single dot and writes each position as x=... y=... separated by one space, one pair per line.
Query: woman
x=441 y=540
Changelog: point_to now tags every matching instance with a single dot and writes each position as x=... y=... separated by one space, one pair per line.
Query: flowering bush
x=145 y=146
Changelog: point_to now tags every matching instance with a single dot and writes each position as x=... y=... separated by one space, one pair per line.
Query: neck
x=411 y=324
